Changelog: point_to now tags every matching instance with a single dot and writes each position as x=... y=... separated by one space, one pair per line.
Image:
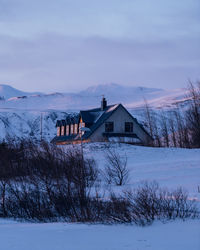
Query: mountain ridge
x=130 y=96
x=7 y=92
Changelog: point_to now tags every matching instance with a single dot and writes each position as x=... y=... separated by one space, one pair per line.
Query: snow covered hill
x=27 y=124
x=20 y=112
x=7 y=92
x=131 y=97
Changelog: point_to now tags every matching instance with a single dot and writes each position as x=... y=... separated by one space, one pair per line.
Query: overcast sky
x=67 y=45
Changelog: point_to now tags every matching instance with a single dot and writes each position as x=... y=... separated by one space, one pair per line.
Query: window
x=72 y=129
x=58 y=131
x=128 y=127
x=109 y=126
x=81 y=124
x=63 y=130
x=76 y=129
x=67 y=130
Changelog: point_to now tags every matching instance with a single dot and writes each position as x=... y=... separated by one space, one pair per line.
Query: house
x=107 y=123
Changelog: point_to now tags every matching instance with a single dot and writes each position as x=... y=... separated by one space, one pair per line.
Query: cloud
x=53 y=61
x=64 y=44
x=112 y=19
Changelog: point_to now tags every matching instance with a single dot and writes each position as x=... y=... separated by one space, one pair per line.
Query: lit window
x=58 y=131
x=76 y=129
x=67 y=130
x=63 y=130
x=72 y=129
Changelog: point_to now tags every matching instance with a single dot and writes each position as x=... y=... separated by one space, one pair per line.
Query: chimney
x=103 y=103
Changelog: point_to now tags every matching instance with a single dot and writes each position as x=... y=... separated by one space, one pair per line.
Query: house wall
x=119 y=117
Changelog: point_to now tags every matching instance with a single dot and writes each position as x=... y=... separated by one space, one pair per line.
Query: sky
x=69 y=45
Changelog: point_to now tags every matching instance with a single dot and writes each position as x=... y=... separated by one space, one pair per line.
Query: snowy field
x=170 y=167
x=176 y=235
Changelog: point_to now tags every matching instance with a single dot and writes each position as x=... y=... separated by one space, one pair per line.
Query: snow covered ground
x=177 y=235
x=169 y=167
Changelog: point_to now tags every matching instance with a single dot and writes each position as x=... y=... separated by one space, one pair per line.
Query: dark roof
x=63 y=123
x=58 y=123
x=74 y=119
x=92 y=115
x=68 y=120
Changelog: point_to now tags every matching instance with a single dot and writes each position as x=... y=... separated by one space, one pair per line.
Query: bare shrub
x=45 y=183
x=116 y=170
x=151 y=202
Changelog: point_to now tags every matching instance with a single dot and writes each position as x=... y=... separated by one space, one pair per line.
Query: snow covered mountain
x=20 y=112
x=131 y=97
x=7 y=92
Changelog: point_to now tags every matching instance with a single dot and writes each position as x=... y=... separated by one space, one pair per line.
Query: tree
x=152 y=126
x=116 y=170
x=193 y=114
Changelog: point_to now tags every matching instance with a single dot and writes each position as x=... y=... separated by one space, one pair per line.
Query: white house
x=107 y=123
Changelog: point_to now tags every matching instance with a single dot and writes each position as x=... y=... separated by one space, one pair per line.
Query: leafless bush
x=150 y=202
x=179 y=127
x=45 y=183
x=116 y=170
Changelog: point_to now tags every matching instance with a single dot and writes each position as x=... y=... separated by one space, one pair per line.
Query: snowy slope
x=27 y=124
x=170 y=167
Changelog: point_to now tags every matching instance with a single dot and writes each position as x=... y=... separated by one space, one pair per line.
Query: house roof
x=92 y=115
x=67 y=121
x=63 y=123
x=58 y=123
